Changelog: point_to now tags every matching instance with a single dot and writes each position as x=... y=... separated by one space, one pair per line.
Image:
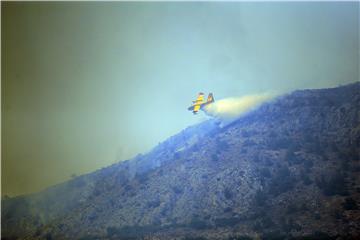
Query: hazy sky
x=85 y=84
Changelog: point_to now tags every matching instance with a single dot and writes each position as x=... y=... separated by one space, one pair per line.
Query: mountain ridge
x=268 y=173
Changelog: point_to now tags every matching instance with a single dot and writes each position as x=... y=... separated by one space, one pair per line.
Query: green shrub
x=275 y=235
x=196 y=223
x=222 y=144
x=48 y=236
x=260 y=198
x=292 y=208
x=350 y=204
x=112 y=231
x=290 y=225
x=334 y=184
x=262 y=223
x=177 y=189
x=282 y=182
x=194 y=238
x=279 y=143
x=227 y=222
x=315 y=236
x=239 y=238
x=88 y=237
x=228 y=209
x=131 y=232
x=153 y=204
x=265 y=172
x=214 y=157
x=228 y=193
x=305 y=178
x=141 y=177
x=308 y=164
x=291 y=158
x=248 y=143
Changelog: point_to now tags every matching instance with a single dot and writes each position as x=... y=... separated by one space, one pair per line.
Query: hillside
x=288 y=169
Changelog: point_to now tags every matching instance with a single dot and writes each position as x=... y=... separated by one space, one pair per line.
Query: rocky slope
x=289 y=169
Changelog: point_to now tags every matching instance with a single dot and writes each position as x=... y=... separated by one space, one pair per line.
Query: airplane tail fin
x=210 y=98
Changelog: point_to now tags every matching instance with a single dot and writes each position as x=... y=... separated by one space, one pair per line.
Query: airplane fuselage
x=199 y=103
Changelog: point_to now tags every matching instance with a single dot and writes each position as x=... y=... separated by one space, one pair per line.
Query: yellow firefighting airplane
x=199 y=103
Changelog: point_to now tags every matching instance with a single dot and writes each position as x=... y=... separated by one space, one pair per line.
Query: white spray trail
x=231 y=108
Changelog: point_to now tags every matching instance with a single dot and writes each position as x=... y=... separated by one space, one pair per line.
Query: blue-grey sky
x=85 y=84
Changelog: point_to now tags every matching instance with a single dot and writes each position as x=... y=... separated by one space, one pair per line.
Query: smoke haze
x=230 y=108
x=87 y=84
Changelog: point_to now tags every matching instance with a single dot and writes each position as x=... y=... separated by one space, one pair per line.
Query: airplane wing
x=197 y=103
x=200 y=98
x=196 y=108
